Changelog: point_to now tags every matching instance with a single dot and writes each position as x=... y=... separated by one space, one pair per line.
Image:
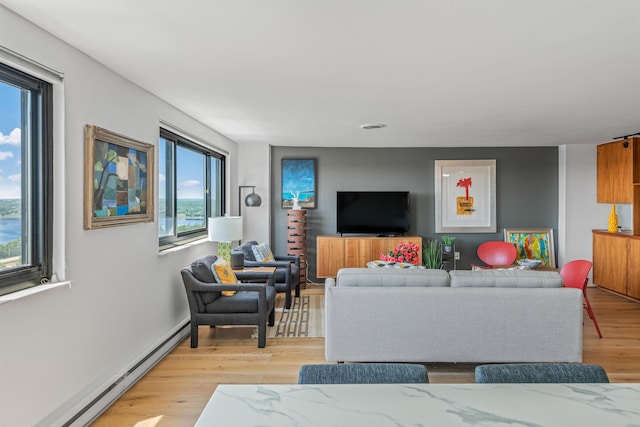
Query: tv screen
x=379 y=212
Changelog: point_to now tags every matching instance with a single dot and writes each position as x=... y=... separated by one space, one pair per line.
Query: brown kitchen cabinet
x=615 y=262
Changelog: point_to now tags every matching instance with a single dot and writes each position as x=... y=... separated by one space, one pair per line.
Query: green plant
x=448 y=240
x=431 y=255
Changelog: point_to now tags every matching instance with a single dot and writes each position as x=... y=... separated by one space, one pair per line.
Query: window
x=190 y=188
x=26 y=188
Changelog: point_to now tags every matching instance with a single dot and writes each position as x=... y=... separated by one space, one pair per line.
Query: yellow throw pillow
x=224 y=274
x=262 y=252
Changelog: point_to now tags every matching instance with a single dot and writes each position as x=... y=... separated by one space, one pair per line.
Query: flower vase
x=613 y=220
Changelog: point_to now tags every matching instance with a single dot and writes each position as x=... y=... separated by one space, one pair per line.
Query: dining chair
x=363 y=373
x=575 y=274
x=540 y=373
x=496 y=252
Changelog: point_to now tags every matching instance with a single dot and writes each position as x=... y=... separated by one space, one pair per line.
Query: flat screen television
x=375 y=212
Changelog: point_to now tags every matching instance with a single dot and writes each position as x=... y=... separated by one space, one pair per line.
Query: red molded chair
x=496 y=252
x=575 y=274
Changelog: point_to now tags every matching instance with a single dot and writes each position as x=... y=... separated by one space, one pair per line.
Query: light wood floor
x=176 y=390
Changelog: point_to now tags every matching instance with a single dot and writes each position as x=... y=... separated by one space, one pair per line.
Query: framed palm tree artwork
x=465 y=193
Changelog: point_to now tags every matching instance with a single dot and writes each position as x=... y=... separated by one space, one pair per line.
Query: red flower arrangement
x=404 y=252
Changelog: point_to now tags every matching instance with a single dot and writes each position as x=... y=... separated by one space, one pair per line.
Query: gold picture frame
x=533 y=243
x=118 y=179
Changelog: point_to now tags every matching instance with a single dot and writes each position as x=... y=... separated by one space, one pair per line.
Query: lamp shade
x=253 y=199
x=225 y=228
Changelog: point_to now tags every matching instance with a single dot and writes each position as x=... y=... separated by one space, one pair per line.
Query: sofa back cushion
x=391 y=277
x=201 y=269
x=505 y=279
x=246 y=249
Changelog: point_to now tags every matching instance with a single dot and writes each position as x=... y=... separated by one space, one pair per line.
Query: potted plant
x=447 y=242
x=431 y=255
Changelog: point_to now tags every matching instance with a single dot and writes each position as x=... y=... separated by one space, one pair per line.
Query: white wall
x=254 y=169
x=59 y=347
x=581 y=213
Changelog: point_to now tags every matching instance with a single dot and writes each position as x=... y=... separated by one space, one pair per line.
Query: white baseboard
x=90 y=408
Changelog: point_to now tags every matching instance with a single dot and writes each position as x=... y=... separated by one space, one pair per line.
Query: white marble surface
x=440 y=405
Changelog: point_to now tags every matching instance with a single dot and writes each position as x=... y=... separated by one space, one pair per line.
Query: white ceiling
x=437 y=72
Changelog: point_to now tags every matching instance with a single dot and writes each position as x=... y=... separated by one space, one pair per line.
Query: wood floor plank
x=176 y=390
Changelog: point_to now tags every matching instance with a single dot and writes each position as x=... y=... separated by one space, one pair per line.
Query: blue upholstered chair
x=541 y=373
x=252 y=304
x=363 y=373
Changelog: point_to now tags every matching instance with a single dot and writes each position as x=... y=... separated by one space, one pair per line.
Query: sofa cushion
x=240 y=302
x=245 y=248
x=262 y=252
x=201 y=269
x=391 y=277
x=224 y=274
x=505 y=279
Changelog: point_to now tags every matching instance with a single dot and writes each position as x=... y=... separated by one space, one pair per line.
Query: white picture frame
x=465 y=192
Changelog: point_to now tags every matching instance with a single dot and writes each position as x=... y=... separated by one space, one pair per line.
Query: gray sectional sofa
x=414 y=315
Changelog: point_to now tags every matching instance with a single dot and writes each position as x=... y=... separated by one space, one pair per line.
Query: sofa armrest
x=219 y=287
x=277 y=264
x=255 y=275
x=291 y=258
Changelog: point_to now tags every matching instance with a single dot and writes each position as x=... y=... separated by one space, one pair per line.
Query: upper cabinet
x=615 y=171
x=618 y=175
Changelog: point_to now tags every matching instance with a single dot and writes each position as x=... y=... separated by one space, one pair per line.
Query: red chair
x=496 y=253
x=575 y=274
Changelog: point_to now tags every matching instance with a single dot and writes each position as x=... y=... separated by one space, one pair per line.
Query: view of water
x=182 y=221
x=10 y=229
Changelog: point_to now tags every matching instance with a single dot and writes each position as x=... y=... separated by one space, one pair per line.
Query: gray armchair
x=287 y=277
x=253 y=303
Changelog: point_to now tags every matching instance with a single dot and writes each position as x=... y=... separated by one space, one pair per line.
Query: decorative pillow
x=224 y=274
x=390 y=264
x=262 y=252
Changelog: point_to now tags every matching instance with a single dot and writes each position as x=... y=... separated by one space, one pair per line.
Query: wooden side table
x=268 y=272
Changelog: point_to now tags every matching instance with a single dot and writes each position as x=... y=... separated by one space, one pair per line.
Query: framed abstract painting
x=118 y=179
x=299 y=182
x=534 y=243
x=465 y=192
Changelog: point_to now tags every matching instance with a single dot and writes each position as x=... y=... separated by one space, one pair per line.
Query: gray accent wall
x=526 y=189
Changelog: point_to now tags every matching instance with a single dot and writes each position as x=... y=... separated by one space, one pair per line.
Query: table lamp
x=224 y=230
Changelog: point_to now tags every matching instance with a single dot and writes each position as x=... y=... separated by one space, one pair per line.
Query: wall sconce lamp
x=251 y=200
x=224 y=230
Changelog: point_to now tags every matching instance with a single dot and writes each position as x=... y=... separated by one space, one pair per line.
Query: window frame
x=177 y=239
x=37 y=195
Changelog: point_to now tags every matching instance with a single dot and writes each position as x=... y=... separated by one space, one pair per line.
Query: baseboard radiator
x=112 y=392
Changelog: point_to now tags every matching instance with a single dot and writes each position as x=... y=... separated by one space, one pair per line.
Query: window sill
x=167 y=249
x=32 y=291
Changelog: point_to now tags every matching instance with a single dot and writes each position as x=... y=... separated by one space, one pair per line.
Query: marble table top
x=442 y=405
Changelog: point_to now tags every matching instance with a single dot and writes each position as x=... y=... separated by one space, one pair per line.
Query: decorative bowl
x=529 y=263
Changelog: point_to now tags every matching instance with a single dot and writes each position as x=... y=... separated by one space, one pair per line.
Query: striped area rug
x=305 y=318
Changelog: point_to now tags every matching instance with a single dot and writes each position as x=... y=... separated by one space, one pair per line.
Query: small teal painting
x=299 y=181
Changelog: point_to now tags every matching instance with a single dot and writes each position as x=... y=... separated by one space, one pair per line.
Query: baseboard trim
x=117 y=388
